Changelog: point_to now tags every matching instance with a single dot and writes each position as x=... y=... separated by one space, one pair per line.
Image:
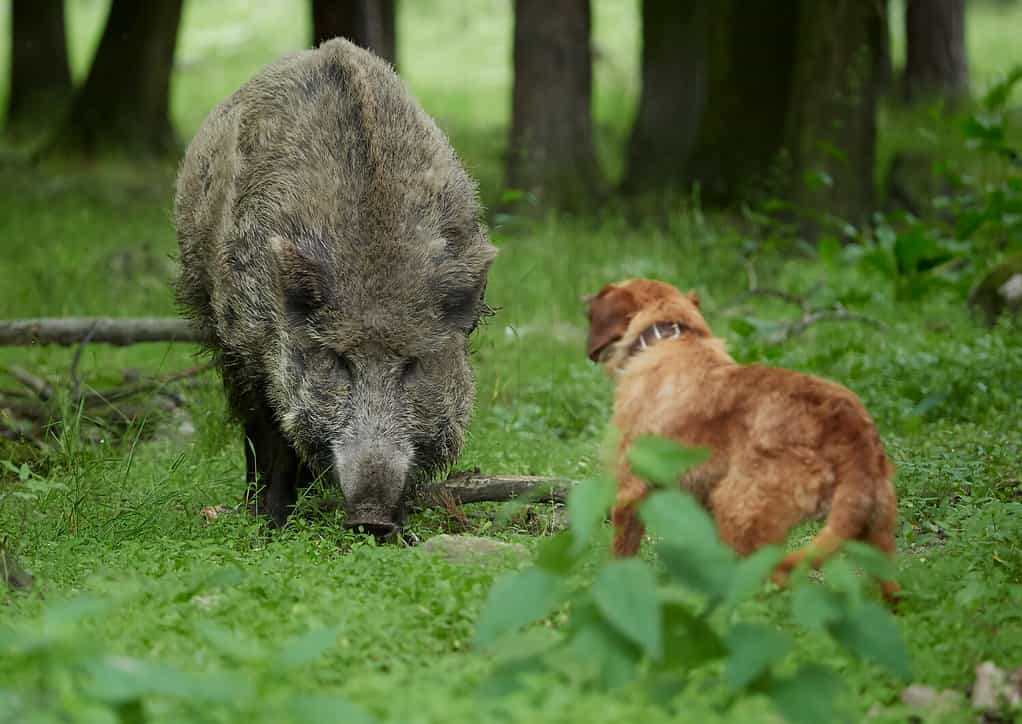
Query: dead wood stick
x=838 y=314
x=38 y=385
x=114 y=394
x=476 y=488
x=110 y=330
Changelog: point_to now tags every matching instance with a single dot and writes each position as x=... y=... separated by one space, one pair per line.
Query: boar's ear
x=693 y=296
x=302 y=282
x=610 y=311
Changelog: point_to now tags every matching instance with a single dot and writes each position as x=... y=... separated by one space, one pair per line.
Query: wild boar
x=334 y=260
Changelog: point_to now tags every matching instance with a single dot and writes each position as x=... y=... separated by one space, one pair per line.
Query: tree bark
x=935 y=60
x=40 y=77
x=368 y=23
x=750 y=62
x=674 y=79
x=551 y=153
x=832 y=115
x=124 y=105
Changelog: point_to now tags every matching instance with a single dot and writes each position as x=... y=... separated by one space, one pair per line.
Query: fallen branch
x=477 y=488
x=38 y=385
x=837 y=314
x=114 y=394
x=810 y=315
x=110 y=330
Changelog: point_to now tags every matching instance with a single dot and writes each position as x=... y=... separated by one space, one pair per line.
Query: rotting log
x=118 y=331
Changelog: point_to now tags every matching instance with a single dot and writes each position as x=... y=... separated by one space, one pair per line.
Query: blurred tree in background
x=749 y=63
x=40 y=82
x=368 y=23
x=935 y=63
x=551 y=152
x=737 y=97
x=123 y=106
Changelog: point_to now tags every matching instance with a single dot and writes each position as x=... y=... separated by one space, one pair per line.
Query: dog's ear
x=693 y=297
x=609 y=314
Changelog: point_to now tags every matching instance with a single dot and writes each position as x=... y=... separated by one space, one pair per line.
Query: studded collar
x=656 y=332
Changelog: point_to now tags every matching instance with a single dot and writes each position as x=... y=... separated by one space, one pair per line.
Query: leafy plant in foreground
x=64 y=675
x=633 y=622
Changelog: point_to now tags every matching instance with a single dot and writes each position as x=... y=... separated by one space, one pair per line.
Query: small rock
x=995 y=689
x=927 y=699
x=466 y=548
x=1000 y=290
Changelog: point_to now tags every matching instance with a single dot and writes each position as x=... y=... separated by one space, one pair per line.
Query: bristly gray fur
x=333 y=256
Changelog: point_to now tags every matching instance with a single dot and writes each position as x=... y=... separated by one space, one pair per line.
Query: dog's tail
x=865 y=510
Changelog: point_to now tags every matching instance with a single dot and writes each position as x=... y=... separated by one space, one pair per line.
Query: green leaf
x=661 y=461
x=807 y=696
x=516 y=600
x=814 y=606
x=742 y=327
x=1000 y=92
x=66 y=613
x=317 y=707
x=557 y=554
x=688 y=639
x=872 y=560
x=706 y=570
x=599 y=646
x=751 y=572
x=872 y=633
x=828 y=250
x=588 y=504
x=122 y=678
x=305 y=648
x=231 y=643
x=676 y=517
x=625 y=592
x=754 y=649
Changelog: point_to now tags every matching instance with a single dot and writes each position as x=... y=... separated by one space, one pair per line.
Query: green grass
x=224 y=597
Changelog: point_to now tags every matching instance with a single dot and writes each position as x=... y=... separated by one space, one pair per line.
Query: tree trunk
x=368 y=23
x=883 y=62
x=124 y=105
x=40 y=77
x=832 y=116
x=750 y=69
x=551 y=154
x=935 y=62
x=674 y=79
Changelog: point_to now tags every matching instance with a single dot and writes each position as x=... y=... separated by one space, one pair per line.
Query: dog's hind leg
x=881 y=535
x=851 y=518
x=628 y=529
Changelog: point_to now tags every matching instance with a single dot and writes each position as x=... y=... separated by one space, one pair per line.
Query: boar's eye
x=463 y=307
x=341 y=366
x=299 y=305
x=410 y=369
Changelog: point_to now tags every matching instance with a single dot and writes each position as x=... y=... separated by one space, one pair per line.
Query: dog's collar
x=656 y=332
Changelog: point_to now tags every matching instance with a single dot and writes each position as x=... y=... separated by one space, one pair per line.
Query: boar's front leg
x=272 y=467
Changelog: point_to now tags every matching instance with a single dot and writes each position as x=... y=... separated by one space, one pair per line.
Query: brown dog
x=784 y=446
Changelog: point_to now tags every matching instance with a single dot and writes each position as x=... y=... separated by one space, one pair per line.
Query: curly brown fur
x=784 y=446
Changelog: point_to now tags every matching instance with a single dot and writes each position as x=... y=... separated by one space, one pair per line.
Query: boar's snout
x=373 y=479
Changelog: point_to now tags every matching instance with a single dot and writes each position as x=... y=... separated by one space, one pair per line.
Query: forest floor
x=111 y=525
